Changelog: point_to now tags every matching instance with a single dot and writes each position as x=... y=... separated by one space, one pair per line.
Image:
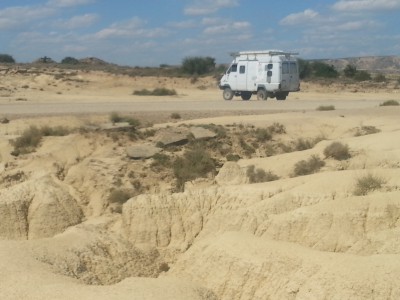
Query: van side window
x=285 y=68
x=293 y=68
x=242 y=69
x=233 y=68
x=269 y=67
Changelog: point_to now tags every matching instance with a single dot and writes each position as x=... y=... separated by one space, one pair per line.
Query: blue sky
x=154 y=32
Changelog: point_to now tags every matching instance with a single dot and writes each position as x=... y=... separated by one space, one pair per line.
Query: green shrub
x=365 y=130
x=54 y=131
x=232 y=157
x=259 y=175
x=31 y=138
x=194 y=164
x=175 y=116
x=27 y=142
x=380 y=78
x=263 y=135
x=367 y=184
x=362 y=76
x=390 y=103
x=156 y=92
x=119 y=196
x=310 y=166
x=6 y=58
x=160 y=160
x=325 y=107
x=277 y=128
x=337 y=151
x=321 y=69
x=350 y=71
x=69 y=61
x=198 y=65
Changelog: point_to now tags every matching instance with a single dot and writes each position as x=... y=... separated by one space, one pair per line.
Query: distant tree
x=6 y=58
x=380 y=78
x=321 y=69
x=362 y=76
x=198 y=65
x=350 y=71
x=70 y=61
x=305 y=70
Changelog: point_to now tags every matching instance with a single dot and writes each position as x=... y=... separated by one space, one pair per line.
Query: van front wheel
x=262 y=95
x=228 y=94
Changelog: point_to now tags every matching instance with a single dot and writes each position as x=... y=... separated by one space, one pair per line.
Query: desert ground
x=94 y=211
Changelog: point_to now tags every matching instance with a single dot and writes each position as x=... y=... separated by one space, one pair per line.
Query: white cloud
x=233 y=27
x=369 y=5
x=132 y=28
x=13 y=17
x=77 y=22
x=357 y=25
x=299 y=18
x=69 y=3
x=206 y=7
x=183 y=24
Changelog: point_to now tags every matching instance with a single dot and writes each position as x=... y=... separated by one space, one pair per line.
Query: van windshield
x=232 y=68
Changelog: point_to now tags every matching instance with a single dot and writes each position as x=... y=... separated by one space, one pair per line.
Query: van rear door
x=290 y=76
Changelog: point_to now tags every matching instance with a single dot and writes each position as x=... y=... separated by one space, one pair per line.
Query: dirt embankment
x=66 y=234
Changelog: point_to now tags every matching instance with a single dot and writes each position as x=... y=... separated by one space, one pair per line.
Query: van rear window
x=285 y=68
x=293 y=68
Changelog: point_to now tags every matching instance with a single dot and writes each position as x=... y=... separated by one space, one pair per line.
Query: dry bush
x=390 y=103
x=310 y=166
x=27 y=142
x=175 y=116
x=325 y=107
x=119 y=196
x=196 y=163
x=156 y=92
x=367 y=184
x=259 y=175
x=337 y=151
x=365 y=130
x=277 y=128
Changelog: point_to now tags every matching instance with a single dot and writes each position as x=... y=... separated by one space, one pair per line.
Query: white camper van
x=269 y=73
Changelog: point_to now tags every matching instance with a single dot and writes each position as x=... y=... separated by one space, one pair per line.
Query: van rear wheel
x=262 y=95
x=246 y=95
x=228 y=94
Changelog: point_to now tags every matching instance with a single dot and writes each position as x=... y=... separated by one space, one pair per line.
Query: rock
x=37 y=209
x=231 y=174
x=202 y=133
x=172 y=136
x=142 y=151
x=115 y=126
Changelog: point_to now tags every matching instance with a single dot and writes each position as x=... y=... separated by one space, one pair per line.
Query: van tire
x=262 y=94
x=246 y=96
x=228 y=94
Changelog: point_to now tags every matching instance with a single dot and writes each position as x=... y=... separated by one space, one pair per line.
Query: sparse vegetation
x=337 y=151
x=31 y=138
x=365 y=130
x=6 y=58
x=259 y=175
x=196 y=163
x=175 y=116
x=119 y=196
x=362 y=76
x=117 y=118
x=232 y=157
x=310 y=166
x=198 y=65
x=325 y=107
x=367 y=184
x=390 y=103
x=155 y=92
x=70 y=61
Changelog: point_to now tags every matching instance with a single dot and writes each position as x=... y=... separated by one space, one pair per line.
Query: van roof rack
x=261 y=52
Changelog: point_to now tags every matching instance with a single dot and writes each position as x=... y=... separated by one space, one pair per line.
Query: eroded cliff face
x=305 y=237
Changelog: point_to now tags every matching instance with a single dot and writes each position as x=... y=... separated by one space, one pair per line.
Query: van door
x=294 y=76
x=285 y=80
x=241 y=83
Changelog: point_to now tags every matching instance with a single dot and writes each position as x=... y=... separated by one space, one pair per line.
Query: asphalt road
x=27 y=108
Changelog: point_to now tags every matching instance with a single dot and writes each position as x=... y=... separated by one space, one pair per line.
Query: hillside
x=375 y=64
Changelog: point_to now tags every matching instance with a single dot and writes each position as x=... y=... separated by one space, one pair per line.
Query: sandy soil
x=298 y=237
